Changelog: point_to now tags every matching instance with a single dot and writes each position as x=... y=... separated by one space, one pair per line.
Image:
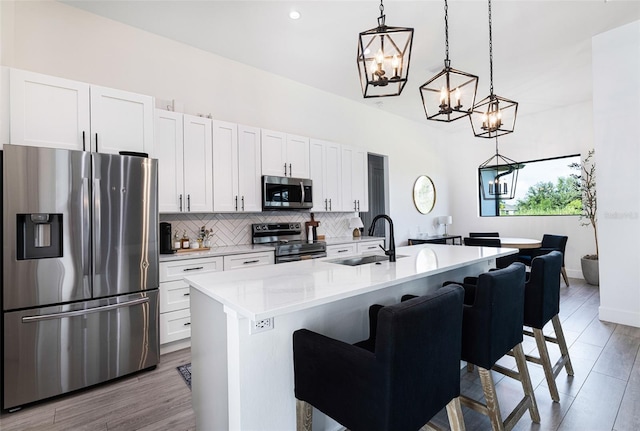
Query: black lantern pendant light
x=499 y=177
x=451 y=94
x=383 y=58
x=494 y=115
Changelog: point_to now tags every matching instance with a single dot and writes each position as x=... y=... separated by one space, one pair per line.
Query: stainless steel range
x=288 y=240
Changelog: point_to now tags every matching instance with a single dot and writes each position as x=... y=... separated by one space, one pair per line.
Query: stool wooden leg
x=304 y=416
x=562 y=343
x=521 y=361
x=454 y=412
x=564 y=276
x=546 y=363
x=493 y=408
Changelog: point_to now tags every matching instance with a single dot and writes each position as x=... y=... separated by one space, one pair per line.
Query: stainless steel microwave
x=286 y=193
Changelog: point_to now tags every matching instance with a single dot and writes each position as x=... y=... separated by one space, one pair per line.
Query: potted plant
x=586 y=186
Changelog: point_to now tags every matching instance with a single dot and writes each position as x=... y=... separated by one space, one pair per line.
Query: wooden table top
x=517 y=242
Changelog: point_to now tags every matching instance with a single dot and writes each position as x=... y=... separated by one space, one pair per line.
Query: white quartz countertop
x=216 y=251
x=268 y=291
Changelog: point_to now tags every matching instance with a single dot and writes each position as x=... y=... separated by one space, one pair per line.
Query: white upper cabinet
x=326 y=171
x=236 y=168
x=249 y=175
x=285 y=155
x=169 y=147
x=121 y=121
x=183 y=149
x=198 y=164
x=225 y=166
x=47 y=111
x=355 y=188
x=297 y=157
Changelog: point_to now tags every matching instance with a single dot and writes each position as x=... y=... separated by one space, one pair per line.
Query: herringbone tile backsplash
x=235 y=229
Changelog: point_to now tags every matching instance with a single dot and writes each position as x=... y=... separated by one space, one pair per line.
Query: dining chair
x=549 y=243
x=483 y=234
x=400 y=384
x=501 y=262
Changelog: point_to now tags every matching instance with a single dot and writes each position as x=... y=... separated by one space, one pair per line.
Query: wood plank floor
x=603 y=395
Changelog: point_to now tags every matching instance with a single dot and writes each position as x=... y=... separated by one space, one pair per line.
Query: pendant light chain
x=446 y=33
x=490 y=54
x=381 y=19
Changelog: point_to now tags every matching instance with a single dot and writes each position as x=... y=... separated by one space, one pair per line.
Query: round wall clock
x=424 y=194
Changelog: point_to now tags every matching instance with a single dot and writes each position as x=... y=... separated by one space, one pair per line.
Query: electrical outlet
x=261 y=325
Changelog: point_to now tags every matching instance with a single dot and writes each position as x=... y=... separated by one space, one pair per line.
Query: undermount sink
x=362 y=260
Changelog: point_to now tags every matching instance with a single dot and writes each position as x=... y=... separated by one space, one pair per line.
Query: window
x=543 y=187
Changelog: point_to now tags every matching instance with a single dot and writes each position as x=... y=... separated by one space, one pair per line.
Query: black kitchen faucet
x=392 y=246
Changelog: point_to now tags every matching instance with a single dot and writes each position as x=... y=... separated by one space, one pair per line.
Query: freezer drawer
x=53 y=350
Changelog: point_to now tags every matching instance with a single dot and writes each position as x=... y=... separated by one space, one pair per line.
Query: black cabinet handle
x=194 y=269
x=84 y=148
x=97 y=143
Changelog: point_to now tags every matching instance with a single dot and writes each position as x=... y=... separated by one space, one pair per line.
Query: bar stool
x=541 y=305
x=491 y=328
x=400 y=385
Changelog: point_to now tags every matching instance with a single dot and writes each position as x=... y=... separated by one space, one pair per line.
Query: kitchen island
x=243 y=320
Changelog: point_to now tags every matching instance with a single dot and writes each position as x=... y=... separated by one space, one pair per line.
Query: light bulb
x=395 y=62
x=443 y=95
x=380 y=56
x=458 y=95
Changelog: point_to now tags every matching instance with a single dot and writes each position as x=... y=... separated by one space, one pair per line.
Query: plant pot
x=590 y=270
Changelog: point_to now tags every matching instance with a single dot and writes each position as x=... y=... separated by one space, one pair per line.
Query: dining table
x=520 y=243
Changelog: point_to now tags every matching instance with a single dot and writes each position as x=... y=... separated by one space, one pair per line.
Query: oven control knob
x=297 y=225
x=258 y=227
x=264 y=227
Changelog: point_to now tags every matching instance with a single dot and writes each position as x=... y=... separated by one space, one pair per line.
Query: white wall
x=59 y=40
x=616 y=106
x=553 y=133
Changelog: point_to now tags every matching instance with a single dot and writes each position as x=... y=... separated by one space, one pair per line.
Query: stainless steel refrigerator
x=80 y=270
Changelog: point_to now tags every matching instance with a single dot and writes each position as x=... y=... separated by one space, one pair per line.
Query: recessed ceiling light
x=294 y=14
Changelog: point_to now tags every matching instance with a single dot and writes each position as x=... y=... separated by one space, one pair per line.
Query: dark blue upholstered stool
x=412 y=373
x=541 y=305
x=491 y=328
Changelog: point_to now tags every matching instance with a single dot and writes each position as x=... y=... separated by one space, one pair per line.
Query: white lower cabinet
x=356 y=247
x=370 y=246
x=175 y=325
x=341 y=250
x=175 y=316
x=248 y=260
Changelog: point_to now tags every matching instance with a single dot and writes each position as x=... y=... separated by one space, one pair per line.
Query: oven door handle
x=297 y=257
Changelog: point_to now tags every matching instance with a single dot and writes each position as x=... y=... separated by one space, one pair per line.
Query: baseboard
x=176 y=345
x=622 y=317
x=574 y=273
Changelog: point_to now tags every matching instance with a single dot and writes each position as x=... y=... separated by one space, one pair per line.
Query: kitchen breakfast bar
x=243 y=320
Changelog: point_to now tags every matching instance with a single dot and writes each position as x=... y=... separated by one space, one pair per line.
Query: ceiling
x=541 y=49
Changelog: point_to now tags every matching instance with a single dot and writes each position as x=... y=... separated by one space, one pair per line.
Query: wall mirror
x=424 y=194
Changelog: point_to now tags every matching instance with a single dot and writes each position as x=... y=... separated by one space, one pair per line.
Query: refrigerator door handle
x=97 y=225
x=86 y=234
x=52 y=316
